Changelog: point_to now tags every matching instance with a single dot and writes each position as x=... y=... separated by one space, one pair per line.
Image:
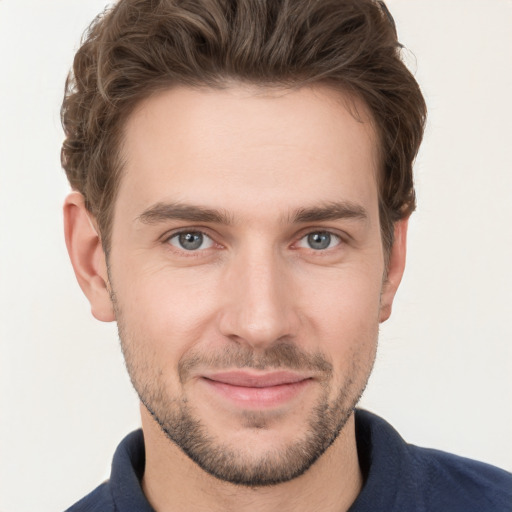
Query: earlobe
x=396 y=267
x=87 y=256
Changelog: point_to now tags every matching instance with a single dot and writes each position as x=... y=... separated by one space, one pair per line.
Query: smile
x=256 y=391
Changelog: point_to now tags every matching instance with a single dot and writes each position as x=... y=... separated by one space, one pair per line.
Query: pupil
x=319 y=241
x=191 y=241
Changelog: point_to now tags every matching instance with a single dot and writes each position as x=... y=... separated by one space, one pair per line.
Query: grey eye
x=191 y=240
x=319 y=240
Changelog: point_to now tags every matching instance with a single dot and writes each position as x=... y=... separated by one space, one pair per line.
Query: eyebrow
x=161 y=212
x=330 y=211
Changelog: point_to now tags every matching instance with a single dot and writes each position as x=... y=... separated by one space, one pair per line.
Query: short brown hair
x=141 y=46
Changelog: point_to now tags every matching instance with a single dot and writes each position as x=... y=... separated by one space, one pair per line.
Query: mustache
x=281 y=355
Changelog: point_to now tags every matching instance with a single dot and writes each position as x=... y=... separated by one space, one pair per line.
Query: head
x=243 y=176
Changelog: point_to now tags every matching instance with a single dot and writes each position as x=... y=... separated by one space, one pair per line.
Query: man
x=242 y=181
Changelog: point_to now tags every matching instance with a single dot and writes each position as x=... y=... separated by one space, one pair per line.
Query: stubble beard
x=227 y=464
x=176 y=418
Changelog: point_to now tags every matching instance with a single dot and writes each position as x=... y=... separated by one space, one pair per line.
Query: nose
x=259 y=304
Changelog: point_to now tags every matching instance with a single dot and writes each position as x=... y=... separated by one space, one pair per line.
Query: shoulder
x=122 y=491
x=99 y=500
x=401 y=476
x=464 y=483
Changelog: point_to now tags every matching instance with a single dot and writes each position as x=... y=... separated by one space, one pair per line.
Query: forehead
x=254 y=145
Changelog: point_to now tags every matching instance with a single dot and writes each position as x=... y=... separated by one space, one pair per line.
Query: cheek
x=165 y=312
x=347 y=330
x=344 y=300
x=343 y=315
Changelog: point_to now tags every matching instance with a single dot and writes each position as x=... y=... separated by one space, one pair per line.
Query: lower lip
x=266 y=397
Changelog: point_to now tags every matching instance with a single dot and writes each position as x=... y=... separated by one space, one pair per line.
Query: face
x=246 y=272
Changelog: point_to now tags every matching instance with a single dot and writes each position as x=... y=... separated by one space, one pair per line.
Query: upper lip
x=248 y=379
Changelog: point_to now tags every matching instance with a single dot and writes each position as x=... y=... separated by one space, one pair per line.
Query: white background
x=443 y=374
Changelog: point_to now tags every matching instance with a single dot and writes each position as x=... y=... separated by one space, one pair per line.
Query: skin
x=258 y=160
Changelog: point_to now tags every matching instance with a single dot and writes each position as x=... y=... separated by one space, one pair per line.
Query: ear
x=87 y=256
x=396 y=266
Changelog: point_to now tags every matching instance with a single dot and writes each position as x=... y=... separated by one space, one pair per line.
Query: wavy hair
x=138 y=47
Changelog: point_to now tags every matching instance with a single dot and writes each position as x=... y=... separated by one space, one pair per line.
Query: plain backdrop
x=443 y=373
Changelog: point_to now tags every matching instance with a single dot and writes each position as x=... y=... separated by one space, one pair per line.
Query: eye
x=319 y=240
x=191 y=240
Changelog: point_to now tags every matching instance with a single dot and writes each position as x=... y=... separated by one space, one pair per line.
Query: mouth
x=257 y=390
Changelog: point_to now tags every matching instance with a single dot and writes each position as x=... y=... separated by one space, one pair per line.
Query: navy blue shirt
x=398 y=477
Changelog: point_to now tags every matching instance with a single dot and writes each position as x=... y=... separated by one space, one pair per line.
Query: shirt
x=398 y=477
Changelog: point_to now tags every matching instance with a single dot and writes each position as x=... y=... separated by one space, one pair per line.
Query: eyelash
x=200 y=231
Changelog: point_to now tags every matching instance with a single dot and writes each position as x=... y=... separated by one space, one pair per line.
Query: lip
x=257 y=390
x=256 y=380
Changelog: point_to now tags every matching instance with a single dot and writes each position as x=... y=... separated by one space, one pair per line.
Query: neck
x=173 y=482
